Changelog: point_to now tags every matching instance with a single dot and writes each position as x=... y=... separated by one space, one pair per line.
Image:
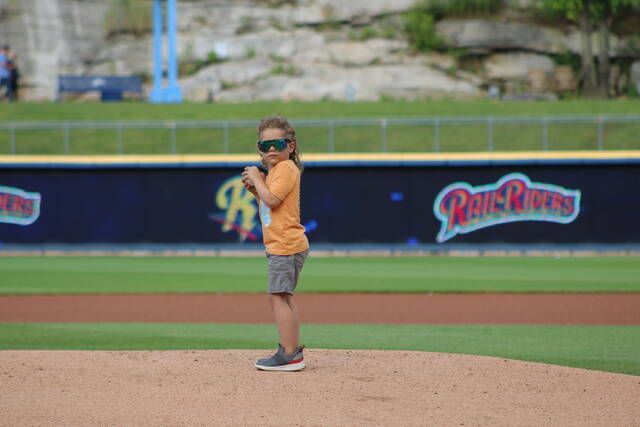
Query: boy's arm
x=251 y=189
x=263 y=193
x=252 y=177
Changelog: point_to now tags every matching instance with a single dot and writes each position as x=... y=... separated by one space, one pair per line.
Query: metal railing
x=432 y=134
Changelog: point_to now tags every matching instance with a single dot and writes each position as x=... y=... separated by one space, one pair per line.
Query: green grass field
x=65 y=275
x=608 y=348
x=327 y=109
x=317 y=139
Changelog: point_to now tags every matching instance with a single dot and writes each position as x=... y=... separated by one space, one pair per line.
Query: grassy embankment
x=399 y=138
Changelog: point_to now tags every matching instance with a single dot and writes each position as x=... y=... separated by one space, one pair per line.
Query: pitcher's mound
x=338 y=387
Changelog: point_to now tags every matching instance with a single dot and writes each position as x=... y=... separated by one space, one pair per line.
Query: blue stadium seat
x=110 y=88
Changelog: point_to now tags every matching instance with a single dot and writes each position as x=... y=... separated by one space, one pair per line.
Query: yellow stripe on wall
x=252 y=158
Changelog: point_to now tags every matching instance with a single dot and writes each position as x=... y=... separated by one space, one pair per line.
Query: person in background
x=14 y=78
x=4 y=70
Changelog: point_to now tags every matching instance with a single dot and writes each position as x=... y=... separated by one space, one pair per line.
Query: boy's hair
x=279 y=122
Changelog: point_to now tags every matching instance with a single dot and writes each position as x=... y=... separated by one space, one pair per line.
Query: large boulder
x=361 y=54
x=487 y=35
x=490 y=35
x=351 y=54
x=340 y=10
x=270 y=42
x=235 y=17
x=206 y=83
x=125 y=55
x=516 y=66
x=328 y=81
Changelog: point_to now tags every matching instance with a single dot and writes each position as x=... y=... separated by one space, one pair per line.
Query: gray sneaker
x=281 y=362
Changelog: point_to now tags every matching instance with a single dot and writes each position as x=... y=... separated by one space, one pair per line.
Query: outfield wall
x=489 y=198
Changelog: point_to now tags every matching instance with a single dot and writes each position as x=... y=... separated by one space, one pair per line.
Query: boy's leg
x=296 y=316
x=286 y=317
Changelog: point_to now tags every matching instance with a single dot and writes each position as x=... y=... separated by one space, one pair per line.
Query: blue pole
x=156 y=95
x=173 y=93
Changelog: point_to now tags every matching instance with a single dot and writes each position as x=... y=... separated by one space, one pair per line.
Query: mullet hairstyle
x=279 y=122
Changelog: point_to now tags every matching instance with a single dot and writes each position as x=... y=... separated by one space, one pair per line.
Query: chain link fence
x=433 y=134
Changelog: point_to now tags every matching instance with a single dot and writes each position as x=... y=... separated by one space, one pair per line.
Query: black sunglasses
x=278 y=144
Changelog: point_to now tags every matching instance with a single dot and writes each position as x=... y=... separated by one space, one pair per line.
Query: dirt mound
x=338 y=387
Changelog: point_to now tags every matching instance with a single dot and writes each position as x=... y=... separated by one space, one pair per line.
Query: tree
x=590 y=14
x=605 y=13
x=579 y=11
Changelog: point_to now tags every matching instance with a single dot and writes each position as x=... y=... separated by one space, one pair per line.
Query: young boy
x=286 y=244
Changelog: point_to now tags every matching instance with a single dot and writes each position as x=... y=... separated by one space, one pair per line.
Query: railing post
x=66 y=138
x=12 y=137
x=436 y=135
x=225 y=137
x=383 y=135
x=545 y=134
x=332 y=136
x=600 y=121
x=490 y=133
x=173 y=137
x=119 y=138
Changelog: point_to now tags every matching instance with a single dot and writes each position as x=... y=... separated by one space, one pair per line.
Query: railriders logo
x=240 y=209
x=462 y=208
x=18 y=206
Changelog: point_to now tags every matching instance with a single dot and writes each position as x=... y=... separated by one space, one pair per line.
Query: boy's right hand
x=249 y=186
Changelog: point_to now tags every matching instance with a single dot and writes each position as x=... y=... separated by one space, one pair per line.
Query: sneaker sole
x=287 y=368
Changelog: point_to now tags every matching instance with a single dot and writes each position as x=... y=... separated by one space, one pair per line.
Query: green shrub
x=189 y=66
x=363 y=34
x=284 y=69
x=275 y=23
x=250 y=53
x=212 y=58
x=389 y=32
x=421 y=31
x=128 y=17
x=443 y=8
x=247 y=25
x=368 y=33
x=567 y=58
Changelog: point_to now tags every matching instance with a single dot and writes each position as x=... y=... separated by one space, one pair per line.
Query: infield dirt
x=337 y=388
x=565 y=309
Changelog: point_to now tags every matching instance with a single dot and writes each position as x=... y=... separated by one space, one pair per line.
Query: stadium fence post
x=119 y=143
x=225 y=137
x=600 y=121
x=436 y=135
x=172 y=127
x=331 y=134
x=12 y=137
x=490 y=133
x=383 y=135
x=67 y=132
x=545 y=134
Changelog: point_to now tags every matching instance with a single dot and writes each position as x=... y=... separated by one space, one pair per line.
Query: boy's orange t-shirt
x=281 y=229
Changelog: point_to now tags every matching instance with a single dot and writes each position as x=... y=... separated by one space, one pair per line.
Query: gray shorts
x=284 y=271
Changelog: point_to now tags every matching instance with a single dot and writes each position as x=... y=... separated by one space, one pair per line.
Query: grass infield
x=93 y=275
x=606 y=348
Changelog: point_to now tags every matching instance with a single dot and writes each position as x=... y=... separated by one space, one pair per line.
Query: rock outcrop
x=304 y=50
